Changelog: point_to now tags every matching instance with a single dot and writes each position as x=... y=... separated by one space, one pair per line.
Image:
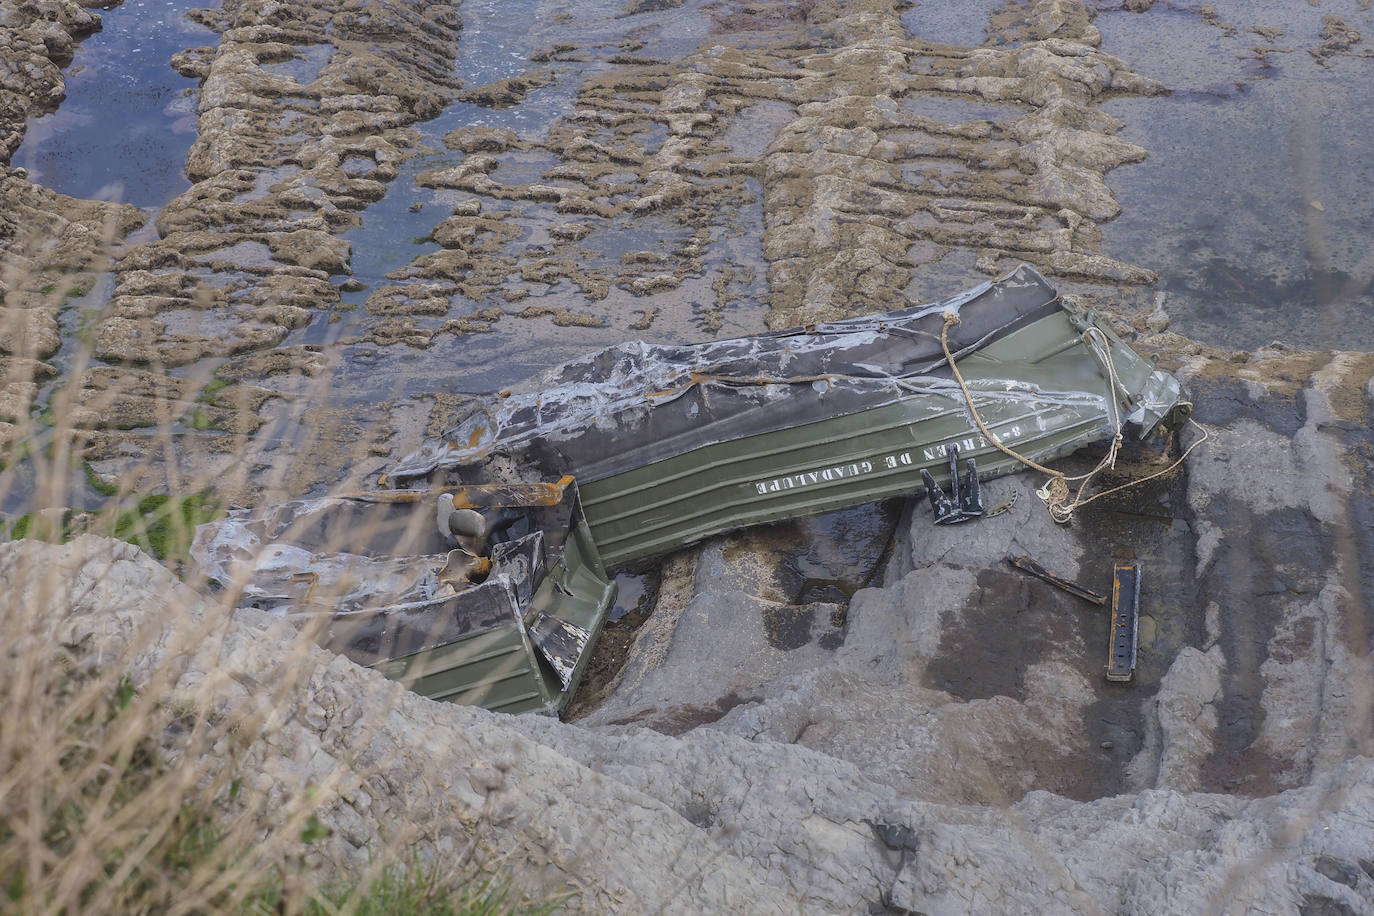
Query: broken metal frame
x=376 y=581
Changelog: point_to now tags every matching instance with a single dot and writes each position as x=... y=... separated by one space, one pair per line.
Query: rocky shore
x=936 y=735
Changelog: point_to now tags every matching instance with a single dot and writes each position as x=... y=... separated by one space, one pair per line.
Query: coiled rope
x=1055 y=493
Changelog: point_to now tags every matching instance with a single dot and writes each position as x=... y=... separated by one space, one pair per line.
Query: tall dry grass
x=122 y=786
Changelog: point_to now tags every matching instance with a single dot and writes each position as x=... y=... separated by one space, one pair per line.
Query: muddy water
x=129 y=119
x=834 y=555
x=961 y=23
x=501 y=41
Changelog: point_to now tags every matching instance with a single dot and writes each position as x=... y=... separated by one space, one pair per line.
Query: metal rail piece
x=1125 y=620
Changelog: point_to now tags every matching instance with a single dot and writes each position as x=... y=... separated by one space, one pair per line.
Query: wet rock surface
x=396 y=207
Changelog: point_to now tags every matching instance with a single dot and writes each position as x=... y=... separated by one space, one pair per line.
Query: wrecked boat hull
x=369 y=575
x=535 y=661
x=656 y=447
x=843 y=461
x=674 y=444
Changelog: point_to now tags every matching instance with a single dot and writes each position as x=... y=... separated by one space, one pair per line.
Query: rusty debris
x=1125 y=620
x=1027 y=565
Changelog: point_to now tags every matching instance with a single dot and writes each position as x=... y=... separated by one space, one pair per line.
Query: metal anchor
x=965 y=499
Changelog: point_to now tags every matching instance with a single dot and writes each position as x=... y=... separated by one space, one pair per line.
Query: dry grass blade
x=125 y=777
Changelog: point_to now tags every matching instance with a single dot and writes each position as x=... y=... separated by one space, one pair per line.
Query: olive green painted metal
x=501 y=669
x=495 y=670
x=472 y=584
x=1040 y=389
x=674 y=443
x=366 y=573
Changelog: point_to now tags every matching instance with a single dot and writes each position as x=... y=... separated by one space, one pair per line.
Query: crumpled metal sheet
x=288 y=559
x=1159 y=398
x=635 y=403
x=376 y=577
x=277 y=560
x=560 y=642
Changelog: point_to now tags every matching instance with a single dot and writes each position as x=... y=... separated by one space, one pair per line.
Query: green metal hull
x=365 y=573
x=672 y=444
x=669 y=445
x=501 y=669
x=874 y=454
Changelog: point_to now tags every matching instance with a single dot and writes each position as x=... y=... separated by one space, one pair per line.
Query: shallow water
x=497 y=42
x=129 y=119
x=956 y=22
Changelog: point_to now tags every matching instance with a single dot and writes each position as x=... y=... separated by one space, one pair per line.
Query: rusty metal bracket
x=943 y=507
x=1125 y=622
x=1027 y=565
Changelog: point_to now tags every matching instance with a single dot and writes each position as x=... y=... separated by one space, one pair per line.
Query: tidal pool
x=129 y=119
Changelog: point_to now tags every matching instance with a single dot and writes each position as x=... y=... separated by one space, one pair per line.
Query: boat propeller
x=463 y=568
x=469 y=530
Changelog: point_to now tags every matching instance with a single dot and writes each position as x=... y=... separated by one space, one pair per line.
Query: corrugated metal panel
x=577 y=590
x=400 y=616
x=496 y=670
x=672 y=444
x=503 y=670
x=1056 y=403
